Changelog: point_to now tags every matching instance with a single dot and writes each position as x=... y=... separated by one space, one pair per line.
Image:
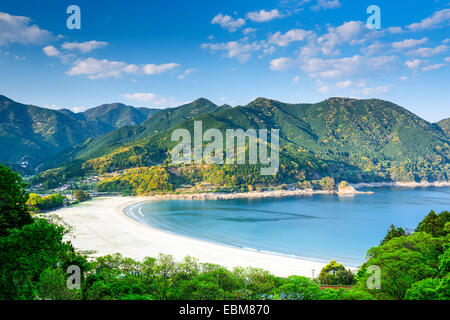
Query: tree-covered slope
x=30 y=133
x=445 y=126
x=159 y=122
x=356 y=140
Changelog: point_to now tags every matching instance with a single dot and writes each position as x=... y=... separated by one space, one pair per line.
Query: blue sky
x=165 y=53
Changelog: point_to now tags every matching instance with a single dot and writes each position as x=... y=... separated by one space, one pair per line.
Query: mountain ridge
x=352 y=139
x=30 y=133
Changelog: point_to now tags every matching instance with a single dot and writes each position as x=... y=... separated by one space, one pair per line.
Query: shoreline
x=412 y=184
x=101 y=225
x=251 y=195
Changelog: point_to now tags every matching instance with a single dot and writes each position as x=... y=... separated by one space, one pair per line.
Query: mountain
x=445 y=126
x=158 y=122
x=351 y=139
x=30 y=134
x=117 y=115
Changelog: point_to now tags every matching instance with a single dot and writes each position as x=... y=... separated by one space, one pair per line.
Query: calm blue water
x=317 y=227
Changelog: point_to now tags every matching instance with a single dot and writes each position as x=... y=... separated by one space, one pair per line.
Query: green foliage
x=53 y=286
x=429 y=289
x=336 y=274
x=298 y=288
x=80 y=195
x=393 y=233
x=34 y=133
x=403 y=261
x=13 y=198
x=434 y=224
x=346 y=139
x=327 y=184
x=445 y=126
x=345 y=294
x=37 y=203
x=139 y=181
x=27 y=252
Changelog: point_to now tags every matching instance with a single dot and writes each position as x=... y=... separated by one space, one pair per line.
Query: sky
x=165 y=53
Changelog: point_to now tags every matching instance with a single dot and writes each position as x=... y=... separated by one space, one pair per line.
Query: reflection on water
x=319 y=227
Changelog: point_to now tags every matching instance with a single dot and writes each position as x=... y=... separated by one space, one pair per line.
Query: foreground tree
x=13 y=198
x=393 y=232
x=434 y=224
x=336 y=274
x=403 y=261
x=25 y=253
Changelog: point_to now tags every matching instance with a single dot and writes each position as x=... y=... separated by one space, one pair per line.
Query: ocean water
x=316 y=227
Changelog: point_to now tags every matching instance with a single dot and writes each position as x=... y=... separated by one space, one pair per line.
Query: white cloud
x=51 y=51
x=186 y=73
x=84 y=47
x=96 y=69
x=153 y=99
x=374 y=91
x=408 y=43
x=395 y=30
x=247 y=31
x=157 y=69
x=433 y=67
x=240 y=50
x=284 y=39
x=428 y=52
x=345 y=33
x=17 y=29
x=144 y=97
x=354 y=87
x=297 y=79
x=263 y=16
x=446 y=41
x=413 y=64
x=437 y=19
x=281 y=64
x=447 y=59
x=326 y=4
x=324 y=89
x=375 y=48
x=228 y=22
x=347 y=67
x=344 y=84
x=404 y=78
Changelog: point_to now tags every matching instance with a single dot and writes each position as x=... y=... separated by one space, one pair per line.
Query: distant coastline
x=295 y=192
x=249 y=195
x=401 y=184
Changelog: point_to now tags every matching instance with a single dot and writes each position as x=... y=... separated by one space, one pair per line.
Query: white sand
x=102 y=226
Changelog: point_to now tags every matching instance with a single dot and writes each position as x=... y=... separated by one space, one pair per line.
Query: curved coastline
x=102 y=227
x=136 y=219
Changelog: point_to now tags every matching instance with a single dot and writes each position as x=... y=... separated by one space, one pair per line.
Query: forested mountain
x=355 y=140
x=31 y=134
x=445 y=125
x=158 y=122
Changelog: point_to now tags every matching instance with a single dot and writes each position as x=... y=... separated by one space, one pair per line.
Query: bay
x=316 y=227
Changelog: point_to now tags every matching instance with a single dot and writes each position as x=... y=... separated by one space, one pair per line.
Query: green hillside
x=348 y=139
x=445 y=126
x=157 y=123
x=31 y=134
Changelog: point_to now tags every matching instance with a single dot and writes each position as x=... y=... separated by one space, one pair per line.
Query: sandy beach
x=100 y=226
